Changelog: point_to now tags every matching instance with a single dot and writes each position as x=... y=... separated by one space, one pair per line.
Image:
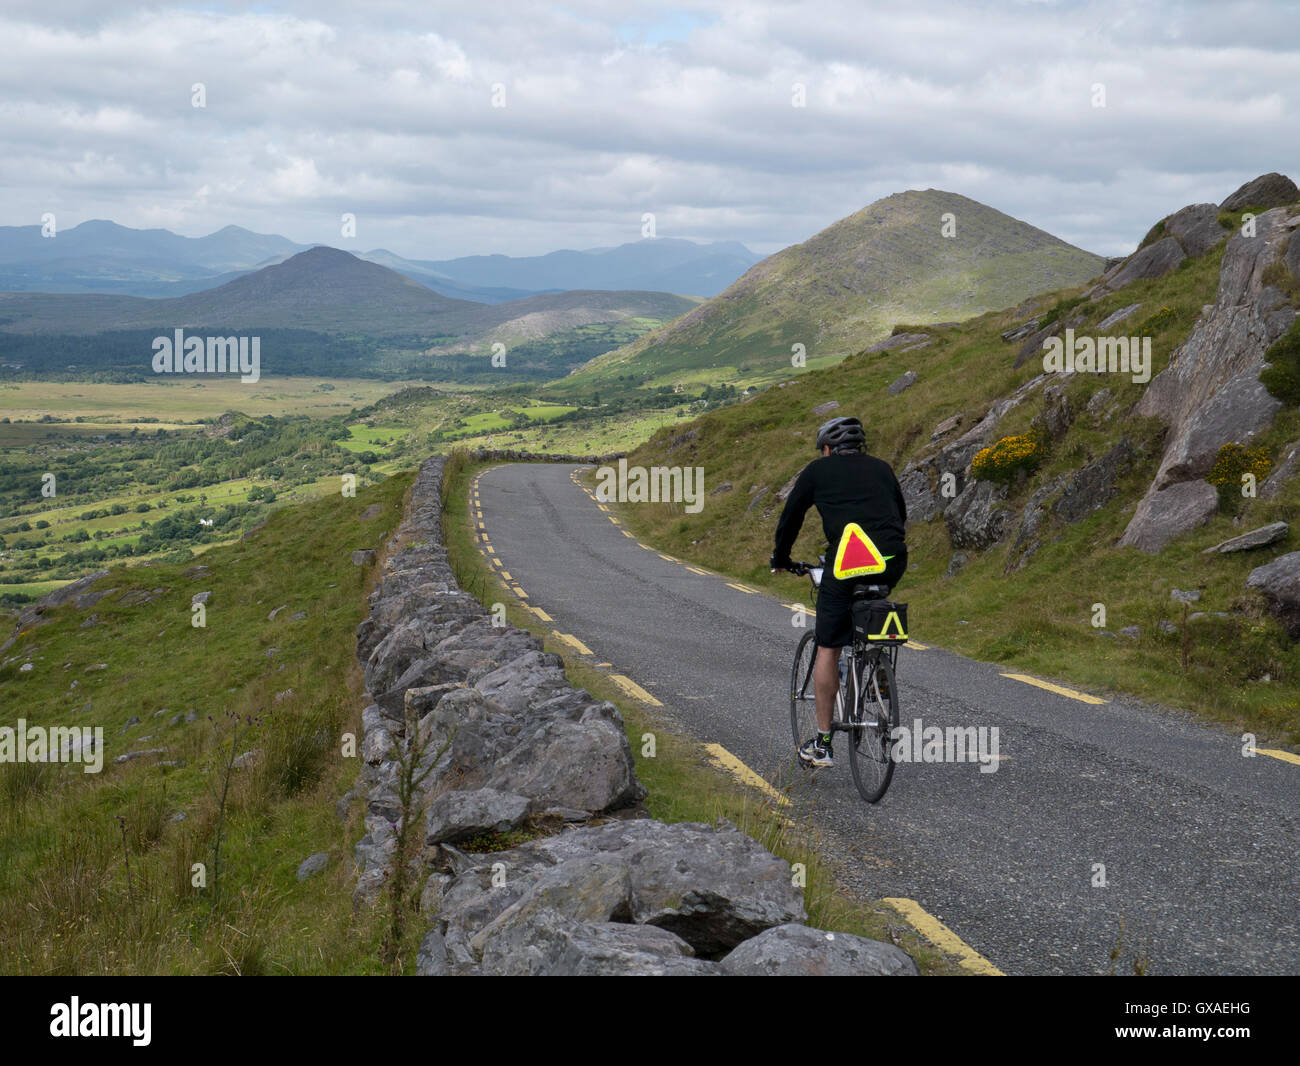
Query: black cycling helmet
x=841 y=434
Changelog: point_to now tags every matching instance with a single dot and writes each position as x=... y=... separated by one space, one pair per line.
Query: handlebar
x=801 y=569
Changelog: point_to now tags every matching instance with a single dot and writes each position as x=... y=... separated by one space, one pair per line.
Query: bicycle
x=866 y=702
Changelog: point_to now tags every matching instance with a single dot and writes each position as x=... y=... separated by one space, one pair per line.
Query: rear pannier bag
x=882 y=621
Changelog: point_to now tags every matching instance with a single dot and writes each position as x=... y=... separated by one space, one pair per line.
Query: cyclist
x=863 y=512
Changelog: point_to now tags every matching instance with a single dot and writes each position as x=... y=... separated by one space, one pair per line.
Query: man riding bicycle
x=863 y=512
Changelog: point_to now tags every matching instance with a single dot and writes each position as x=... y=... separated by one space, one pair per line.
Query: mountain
x=848 y=285
x=659 y=264
x=427 y=274
x=103 y=257
x=345 y=315
x=319 y=289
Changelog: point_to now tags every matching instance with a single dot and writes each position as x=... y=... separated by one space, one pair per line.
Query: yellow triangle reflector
x=857 y=555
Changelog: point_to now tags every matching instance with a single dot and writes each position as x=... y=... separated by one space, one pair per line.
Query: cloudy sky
x=385 y=110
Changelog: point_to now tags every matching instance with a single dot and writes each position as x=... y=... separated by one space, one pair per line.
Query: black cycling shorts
x=835 y=601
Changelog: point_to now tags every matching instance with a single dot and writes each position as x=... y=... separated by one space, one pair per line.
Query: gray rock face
x=313 y=864
x=1185 y=595
x=1197 y=228
x=363 y=557
x=826 y=408
x=906 y=381
x=976 y=519
x=459 y=815
x=1153 y=261
x=1020 y=332
x=1268 y=190
x=899 y=342
x=1285 y=469
x=1093 y=486
x=921 y=499
x=711 y=887
x=1032 y=523
x=200 y=597
x=1256 y=538
x=1166 y=514
x=798 y=951
x=552 y=945
x=1210 y=395
x=1116 y=317
x=1279 y=582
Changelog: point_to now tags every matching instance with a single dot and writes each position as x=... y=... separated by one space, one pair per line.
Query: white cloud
x=615 y=109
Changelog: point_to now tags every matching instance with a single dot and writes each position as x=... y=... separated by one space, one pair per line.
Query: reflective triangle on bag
x=857 y=555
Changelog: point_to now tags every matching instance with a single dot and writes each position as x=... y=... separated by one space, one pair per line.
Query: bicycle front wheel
x=803 y=705
x=874 y=721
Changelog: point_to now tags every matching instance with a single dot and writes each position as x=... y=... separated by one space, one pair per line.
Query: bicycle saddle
x=870 y=592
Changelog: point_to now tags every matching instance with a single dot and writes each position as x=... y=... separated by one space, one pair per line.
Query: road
x=1199 y=844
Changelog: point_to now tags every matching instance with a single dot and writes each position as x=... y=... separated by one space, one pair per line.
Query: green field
x=174 y=402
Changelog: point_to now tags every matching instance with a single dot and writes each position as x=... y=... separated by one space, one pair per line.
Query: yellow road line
x=615 y=520
x=573 y=642
x=918 y=646
x=743 y=773
x=668 y=558
x=498 y=562
x=630 y=536
x=740 y=588
x=506 y=574
x=603 y=507
x=489 y=547
x=1278 y=753
x=634 y=690
x=1082 y=697
x=942 y=937
x=645 y=546
x=540 y=613
x=519 y=592
x=697 y=570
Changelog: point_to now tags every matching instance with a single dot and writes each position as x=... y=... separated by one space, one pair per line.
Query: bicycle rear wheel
x=803 y=706
x=872 y=726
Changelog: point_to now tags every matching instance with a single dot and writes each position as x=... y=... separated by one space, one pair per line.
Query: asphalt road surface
x=1199 y=844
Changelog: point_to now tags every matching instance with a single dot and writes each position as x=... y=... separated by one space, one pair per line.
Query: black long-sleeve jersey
x=845 y=487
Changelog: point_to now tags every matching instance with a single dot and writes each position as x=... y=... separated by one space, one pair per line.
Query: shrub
x=1282 y=379
x=1157 y=321
x=1003 y=460
x=1232 y=463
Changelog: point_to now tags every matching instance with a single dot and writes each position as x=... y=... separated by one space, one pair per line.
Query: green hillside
x=847 y=286
x=1235 y=664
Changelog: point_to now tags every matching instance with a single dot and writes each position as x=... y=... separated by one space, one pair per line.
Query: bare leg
x=826 y=680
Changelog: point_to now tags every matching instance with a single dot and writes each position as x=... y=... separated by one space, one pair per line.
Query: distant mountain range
x=893 y=262
x=331 y=312
x=103 y=257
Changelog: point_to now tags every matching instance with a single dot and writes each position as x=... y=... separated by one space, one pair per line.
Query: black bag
x=880 y=621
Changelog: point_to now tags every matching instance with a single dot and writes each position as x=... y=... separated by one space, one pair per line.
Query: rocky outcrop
x=922 y=480
x=1279 y=582
x=906 y=381
x=508 y=746
x=1268 y=190
x=1153 y=261
x=797 y=951
x=1168 y=513
x=1210 y=394
x=1196 y=228
x=1262 y=537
